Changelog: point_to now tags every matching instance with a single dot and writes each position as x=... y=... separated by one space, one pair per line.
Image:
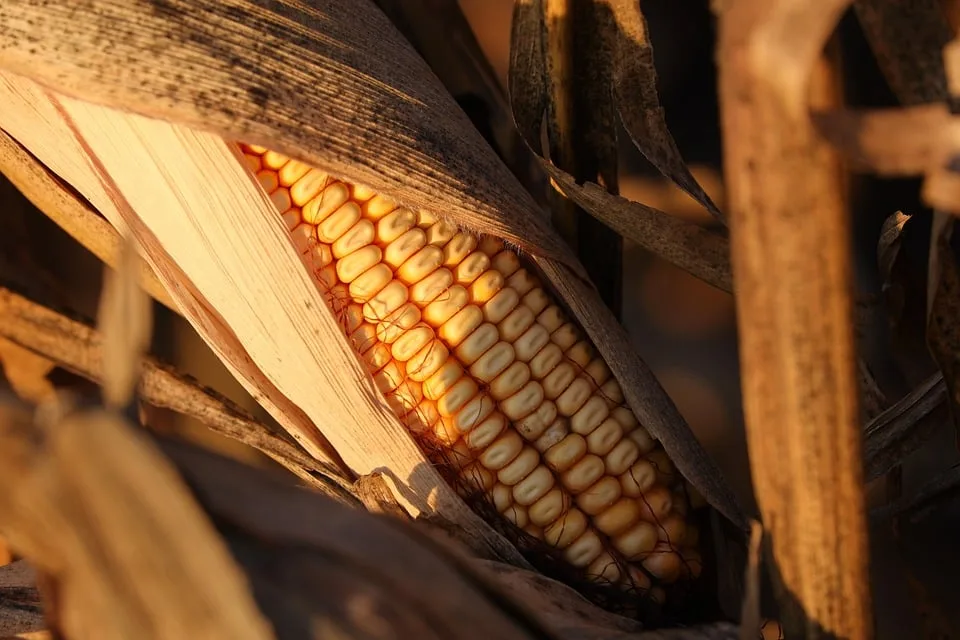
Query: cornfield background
x=880 y=55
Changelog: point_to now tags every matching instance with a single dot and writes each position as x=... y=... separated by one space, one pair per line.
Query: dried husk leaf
x=75 y=346
x=333 y=84
x=907 y=39
x=97 y=508
x=414 y=584
x=358 y=102
x=623 y=75
x=700 y=252
x=310 y=378
x=62 y=205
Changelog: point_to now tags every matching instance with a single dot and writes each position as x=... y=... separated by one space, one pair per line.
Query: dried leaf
x=943 y=332
x=943 y=488
x=903 y=427
x=96 y=507
x=75 y=216
x=76 y=346
x=323 y=558
x=888 y=246
x=907 y=39
x=639 y=105
x=617 y=36
x=365 y=108
x=698 y=251
x=333 y=84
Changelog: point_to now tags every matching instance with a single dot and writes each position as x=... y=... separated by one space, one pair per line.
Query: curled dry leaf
x=698 y=251
x=903 y=427
x=890 y=264
x=618 y=74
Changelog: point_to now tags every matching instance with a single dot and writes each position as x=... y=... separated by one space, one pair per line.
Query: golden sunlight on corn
x=490 y=376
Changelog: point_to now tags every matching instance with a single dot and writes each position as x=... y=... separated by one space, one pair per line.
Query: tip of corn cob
x=493 y=380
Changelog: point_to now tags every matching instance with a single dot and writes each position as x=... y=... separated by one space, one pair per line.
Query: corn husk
x=337 y=87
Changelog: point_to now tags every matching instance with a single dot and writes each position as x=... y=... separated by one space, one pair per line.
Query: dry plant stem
x=790 y=255
x=76 y=347
x=61 y=204
x=95 y=506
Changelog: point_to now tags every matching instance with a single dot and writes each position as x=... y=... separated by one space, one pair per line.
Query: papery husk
x=337 y=87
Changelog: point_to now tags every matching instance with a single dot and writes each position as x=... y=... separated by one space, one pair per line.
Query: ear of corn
x=490 y=376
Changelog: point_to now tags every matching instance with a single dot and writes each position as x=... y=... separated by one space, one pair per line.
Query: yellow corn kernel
x=478 y=360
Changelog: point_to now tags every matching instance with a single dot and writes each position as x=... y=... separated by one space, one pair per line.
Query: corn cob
x=490 y=376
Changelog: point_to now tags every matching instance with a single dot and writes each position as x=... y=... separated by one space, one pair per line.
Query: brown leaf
x=345 y=93
x=891 y=267
x=76 y=346
x=635 y=87
x=892 y=142
x=617 y=72
x=95 y=506
x=908 y=40
x=943 y=332
x=69 y=211
x=903 y=427
x=698 y=251
x=328 y=556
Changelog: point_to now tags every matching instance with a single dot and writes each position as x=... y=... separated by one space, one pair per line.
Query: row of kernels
x=349 y=235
